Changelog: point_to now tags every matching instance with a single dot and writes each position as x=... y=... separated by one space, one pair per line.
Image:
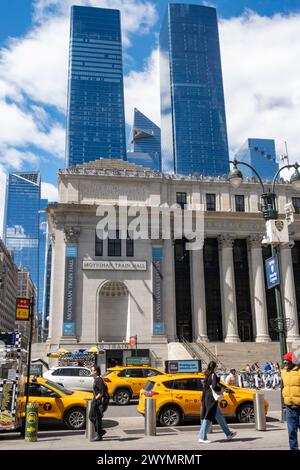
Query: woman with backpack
x=210 y=410
x=99 y=403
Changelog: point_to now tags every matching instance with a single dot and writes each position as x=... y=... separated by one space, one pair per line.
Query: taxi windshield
x=60 y=388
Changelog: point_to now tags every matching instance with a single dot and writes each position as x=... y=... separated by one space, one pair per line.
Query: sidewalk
x=128 y=433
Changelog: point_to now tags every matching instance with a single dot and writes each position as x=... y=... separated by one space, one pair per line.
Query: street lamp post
x=270 y=212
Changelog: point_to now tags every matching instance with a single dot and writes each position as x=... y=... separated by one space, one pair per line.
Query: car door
x=48 y=404
x=133 y=378
x=187 y=393
x=86 y=381
x=59 y=376
x=229 y=402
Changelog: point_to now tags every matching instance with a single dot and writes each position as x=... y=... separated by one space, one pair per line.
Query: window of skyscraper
x=239 y=203
x=210 y=202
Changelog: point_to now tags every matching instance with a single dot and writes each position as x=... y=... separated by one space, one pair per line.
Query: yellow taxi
x=125 y=382
x=178 y=397
x=58 y=403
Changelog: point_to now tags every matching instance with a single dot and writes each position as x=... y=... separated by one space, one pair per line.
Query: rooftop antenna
x=286 y=155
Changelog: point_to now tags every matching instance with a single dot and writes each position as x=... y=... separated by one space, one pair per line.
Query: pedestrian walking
x=232 y=378
x=210 y=410
x=291 y=396
x=99 y=403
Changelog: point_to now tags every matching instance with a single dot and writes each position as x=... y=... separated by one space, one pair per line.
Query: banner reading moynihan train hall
x=158 y=322
x=70 y=290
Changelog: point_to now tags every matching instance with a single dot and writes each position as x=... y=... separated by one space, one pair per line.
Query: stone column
x=259 y=292
x=198 y=295
x=228 y=291
x=288 y=291
x=169 y=300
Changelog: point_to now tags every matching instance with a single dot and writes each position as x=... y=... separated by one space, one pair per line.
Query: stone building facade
x=105 y=291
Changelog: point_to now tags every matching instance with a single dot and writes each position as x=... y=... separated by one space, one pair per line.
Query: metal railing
x=199 y=351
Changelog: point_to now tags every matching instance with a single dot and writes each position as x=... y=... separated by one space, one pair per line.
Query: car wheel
x=122 y=396
x=169 y=416
x=245 y=413
x=75 y=418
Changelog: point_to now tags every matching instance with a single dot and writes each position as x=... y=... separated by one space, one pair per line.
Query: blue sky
x=260 y=47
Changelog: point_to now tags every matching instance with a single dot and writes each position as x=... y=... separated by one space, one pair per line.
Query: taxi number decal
x=223 y=404
x=47 y=406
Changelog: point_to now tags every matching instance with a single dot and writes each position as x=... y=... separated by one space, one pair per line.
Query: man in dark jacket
x=97 y=408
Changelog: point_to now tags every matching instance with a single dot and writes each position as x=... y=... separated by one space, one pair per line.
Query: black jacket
x=208 y=403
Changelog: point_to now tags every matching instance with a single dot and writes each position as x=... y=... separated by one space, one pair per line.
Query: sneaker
x=204 y=441
x=231 y=436
x=97 y=438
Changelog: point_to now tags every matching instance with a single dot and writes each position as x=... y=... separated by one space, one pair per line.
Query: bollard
x=90 y=432
x=32 y=421
x=259 y=412
x=150 y=417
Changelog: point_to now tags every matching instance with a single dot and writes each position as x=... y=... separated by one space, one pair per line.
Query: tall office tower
x=43 y=224
x=261 y=154
x=193 y=123
x=47 y=284
x=146 y=142
x=21 y=226
x=95 y=114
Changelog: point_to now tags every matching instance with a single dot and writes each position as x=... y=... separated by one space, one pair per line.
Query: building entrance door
x=184 y=330
x=245 y=329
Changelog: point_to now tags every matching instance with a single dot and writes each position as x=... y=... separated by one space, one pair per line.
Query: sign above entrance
x=115 y=265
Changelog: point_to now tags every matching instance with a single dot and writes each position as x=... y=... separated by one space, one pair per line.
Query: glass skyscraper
x=25 y=226
x=21 y=228
x=193 y=123
x=95 y=114
x=261 y=154
x=42 y=252
x=146 y=142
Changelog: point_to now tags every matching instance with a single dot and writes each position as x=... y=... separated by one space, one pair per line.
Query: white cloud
x=142 y=90
x=19 y=128
x=15 y=159
x=49 y=191
x=261 y=73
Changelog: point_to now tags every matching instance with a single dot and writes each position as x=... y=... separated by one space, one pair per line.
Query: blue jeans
x=206 y=423
x=293 y=424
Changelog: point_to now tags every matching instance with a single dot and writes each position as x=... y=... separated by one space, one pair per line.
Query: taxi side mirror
x=54 y=395
x=228 y=390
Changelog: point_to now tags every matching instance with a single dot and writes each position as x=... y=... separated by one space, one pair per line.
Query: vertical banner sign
x=70 y=290
x=272 y=270
x=158 y=322
x=22 y=309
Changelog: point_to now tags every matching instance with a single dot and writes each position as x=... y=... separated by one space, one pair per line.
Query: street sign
x=22 y=309
x=272 y=272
